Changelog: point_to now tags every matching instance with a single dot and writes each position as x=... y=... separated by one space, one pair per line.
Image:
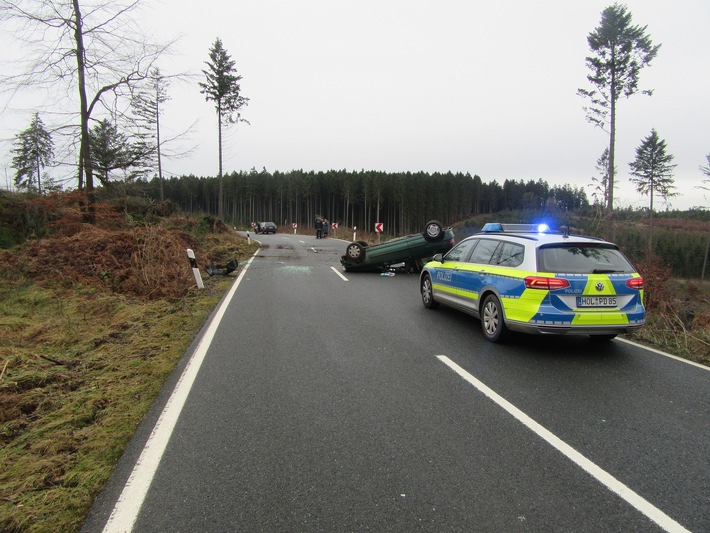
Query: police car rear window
x=484 y=251
x=509 y=254
x=582 y=259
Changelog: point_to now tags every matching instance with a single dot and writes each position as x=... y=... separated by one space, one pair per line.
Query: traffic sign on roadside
x=378 y=227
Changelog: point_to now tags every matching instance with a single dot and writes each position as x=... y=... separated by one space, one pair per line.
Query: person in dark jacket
x=319 y=228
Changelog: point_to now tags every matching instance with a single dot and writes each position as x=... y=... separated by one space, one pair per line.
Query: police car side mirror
x=439 y=258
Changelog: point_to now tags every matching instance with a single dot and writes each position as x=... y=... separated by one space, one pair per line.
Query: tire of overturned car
x=355 y=252
x=434 y=231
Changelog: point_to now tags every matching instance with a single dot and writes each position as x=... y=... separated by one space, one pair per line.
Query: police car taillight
x=548 y=284
x=635 y=283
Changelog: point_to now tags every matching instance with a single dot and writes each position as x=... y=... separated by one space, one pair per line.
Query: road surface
x=319 y=400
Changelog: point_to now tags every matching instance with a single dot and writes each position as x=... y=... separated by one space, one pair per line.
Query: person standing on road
x=319 y=228
x=326 y=224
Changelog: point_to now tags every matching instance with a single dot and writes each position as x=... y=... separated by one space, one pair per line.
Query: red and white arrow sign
x=334 y=225
x=378 y=227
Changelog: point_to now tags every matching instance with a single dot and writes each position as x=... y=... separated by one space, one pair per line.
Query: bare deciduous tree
x=94 y=50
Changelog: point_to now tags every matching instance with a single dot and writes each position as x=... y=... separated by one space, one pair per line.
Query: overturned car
x=412 y=250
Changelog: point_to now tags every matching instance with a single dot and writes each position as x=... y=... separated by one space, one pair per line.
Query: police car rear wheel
x=428 y=293
x=492 y=322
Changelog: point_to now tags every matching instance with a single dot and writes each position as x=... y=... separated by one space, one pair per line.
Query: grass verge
x=80 y=368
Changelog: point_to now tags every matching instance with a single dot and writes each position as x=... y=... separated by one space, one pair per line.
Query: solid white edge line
x=339 y=274
x=659 y=352
x=613 y=484
x=129 y=503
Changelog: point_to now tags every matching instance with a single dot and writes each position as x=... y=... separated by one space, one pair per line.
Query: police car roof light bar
x=497 y=227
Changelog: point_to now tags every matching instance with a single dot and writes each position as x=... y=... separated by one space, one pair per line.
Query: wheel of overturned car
x=428 y=293
x=433 y=232
x=355 y=252
x=492 y=321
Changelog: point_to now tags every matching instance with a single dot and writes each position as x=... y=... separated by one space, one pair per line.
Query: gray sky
x=487 y=88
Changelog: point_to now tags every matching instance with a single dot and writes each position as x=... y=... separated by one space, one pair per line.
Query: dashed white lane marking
x=339 y=274
x=129 y=503
x=601 y=475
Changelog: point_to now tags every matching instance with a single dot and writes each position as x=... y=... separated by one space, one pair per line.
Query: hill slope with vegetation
x=93 y=320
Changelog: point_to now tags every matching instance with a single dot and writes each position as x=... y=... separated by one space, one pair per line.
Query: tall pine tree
x=111 y=151
x=222 y=87
x=147 y=105
x=652 y=171
x=620 y=51
x=33 y=151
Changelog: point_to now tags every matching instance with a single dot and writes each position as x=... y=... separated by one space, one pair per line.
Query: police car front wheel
x=428 y=293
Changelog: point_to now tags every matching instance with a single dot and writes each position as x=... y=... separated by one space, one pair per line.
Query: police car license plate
x=596 y=301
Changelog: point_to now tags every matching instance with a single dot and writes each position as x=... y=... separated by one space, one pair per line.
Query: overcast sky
x=488 y=88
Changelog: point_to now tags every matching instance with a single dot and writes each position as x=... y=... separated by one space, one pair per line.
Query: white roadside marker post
x=195 y=270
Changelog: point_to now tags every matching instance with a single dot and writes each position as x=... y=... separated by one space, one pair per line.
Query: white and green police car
x=525 y=278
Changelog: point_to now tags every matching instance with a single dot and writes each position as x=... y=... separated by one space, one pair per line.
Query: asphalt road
x=330 y=401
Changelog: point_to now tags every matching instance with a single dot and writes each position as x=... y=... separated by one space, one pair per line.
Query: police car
x=525 y=278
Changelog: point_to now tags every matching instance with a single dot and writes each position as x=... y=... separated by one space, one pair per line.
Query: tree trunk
x=39 y=178
x=84 y=151
x=650 y=224
x=612 y=144
x=157 y=138
x=220 y=199
x=705 y=259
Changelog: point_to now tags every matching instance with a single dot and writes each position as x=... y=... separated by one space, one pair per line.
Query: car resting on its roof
x=411 y=250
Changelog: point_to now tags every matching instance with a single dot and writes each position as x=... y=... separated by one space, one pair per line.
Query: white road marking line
x=339 y=274
x=601 y=475
x=128 y=505
x=665 y=354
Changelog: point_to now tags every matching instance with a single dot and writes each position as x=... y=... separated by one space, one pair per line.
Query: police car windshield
x=582 y=259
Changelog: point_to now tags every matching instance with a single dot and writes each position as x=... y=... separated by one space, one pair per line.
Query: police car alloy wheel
x=428 y=293
x=492 y=321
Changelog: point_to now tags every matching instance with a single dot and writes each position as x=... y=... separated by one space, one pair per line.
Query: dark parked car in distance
x=411 y=250
x=265 y=227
